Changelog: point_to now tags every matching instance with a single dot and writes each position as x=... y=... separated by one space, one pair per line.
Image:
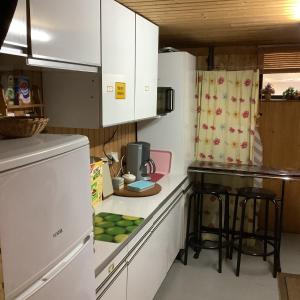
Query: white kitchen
x=136 y=137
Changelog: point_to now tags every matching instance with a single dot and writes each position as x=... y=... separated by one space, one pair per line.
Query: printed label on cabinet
x=120 y=90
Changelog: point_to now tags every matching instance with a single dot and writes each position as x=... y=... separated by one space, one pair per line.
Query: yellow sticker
x=120 y=90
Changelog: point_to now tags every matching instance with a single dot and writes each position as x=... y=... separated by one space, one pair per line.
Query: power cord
x=121 y=171
x=109 y=140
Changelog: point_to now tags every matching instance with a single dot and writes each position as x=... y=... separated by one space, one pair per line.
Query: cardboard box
x=96 y=172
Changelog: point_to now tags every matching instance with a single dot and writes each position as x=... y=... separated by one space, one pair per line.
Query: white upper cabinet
x=125 y=87
x=146 y=68
x=16 y=35
x=66 y=31
x=118 y=63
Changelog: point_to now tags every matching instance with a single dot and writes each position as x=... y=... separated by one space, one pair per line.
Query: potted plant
x=268 y=91
x=290 y=94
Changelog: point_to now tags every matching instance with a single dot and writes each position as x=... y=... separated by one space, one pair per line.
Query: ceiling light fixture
x=296 y=10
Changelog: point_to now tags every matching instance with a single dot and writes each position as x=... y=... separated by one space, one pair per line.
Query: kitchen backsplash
x=126 y=133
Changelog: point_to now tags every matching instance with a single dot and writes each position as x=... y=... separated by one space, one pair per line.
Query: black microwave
x=165 y=100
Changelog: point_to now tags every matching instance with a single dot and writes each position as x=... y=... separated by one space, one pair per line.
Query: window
x=281 y=68
x=281 y=82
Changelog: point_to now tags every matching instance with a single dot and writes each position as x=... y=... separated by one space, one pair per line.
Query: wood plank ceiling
x=191 y=23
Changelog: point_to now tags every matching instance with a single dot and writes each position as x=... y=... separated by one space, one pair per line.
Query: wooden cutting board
x=127 y=193
x=289 y=286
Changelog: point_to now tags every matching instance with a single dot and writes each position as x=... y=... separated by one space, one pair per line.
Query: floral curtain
x=227 y=107
x=227 y=104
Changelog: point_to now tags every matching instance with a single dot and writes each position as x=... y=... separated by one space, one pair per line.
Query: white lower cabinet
x=149 y=265
x=115 y=288
x=146 y=270
x=173 y=228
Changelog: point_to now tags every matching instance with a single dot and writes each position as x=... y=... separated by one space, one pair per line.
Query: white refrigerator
x=46 y=218
x=175 y=132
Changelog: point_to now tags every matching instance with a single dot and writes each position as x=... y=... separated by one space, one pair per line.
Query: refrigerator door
x=72 y=279
x=45 y=211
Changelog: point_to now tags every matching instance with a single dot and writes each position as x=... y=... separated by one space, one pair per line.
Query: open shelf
x=23 y=106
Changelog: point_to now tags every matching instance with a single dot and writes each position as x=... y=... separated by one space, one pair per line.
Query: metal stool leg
x=280 y=207
x=266 y=230
x=276 y=240
x=192 y=196
x=226 y=225
x=220 y=233
x=233 y=225
x=199 y=224
x=254 y=216
x=241 y=235
x=196 y=217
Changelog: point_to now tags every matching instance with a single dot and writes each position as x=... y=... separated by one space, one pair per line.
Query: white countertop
x=140 y=207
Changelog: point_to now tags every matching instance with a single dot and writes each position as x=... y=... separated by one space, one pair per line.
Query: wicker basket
x=17 y=127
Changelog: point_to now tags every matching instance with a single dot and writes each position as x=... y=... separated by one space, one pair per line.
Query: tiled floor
x=200 y=280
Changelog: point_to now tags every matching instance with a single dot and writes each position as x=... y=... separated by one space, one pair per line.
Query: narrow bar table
x=242 y=170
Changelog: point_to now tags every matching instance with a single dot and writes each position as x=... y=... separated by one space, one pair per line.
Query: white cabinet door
x=72 y=99
x=116 y=288
x=173 y=232
x=150 y=264
x=118 y=60
x=66 y=30
x=147 y=268
x=16 y=34
x=146 y=68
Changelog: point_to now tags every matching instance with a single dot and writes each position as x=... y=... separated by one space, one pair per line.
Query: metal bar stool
x=247 y=194
x=194 y=239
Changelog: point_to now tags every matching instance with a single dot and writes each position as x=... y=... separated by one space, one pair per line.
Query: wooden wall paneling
x=91 y=134
x=97 y=137
x=127 y=133
x=97 y=144
x=279 y=129
x=229 y=58
x=236 y=62
x=217 y=22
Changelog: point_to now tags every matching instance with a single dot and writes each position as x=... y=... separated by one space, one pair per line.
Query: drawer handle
x=111 y=268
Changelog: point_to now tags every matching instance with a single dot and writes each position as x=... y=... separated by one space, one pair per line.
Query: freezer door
x=72 y=279
x=45 y=212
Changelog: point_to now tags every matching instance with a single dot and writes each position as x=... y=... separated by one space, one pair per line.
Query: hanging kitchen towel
x=257 y=157
x=7 y=10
